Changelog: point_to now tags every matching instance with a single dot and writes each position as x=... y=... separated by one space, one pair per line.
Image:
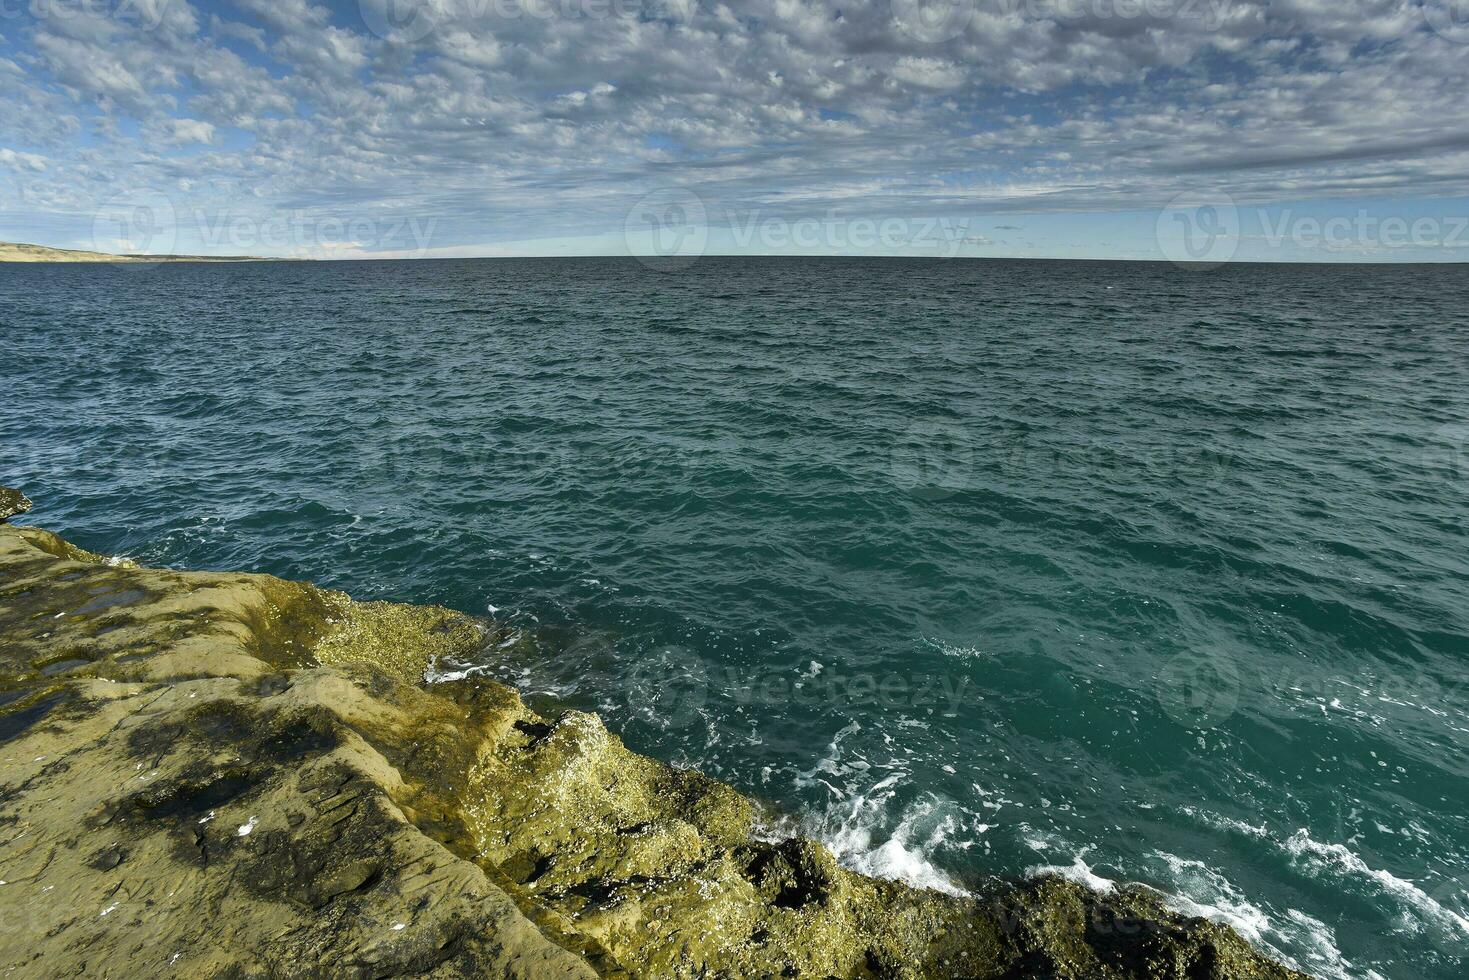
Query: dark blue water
x=973 y=568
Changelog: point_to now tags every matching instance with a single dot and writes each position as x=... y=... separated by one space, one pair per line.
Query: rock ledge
x=235 y=776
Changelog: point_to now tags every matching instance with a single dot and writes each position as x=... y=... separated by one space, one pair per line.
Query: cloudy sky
x=1197 y=129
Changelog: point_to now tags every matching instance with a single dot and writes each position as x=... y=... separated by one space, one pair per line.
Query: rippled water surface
x=973 y=568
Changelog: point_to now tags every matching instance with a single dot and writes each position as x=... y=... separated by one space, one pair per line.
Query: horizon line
x=652 y=260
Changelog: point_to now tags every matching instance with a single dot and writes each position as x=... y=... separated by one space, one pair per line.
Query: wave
x=1421 y=911
x=857 y=839
x=1192 y=888
x=1078 y=871
x=1337 y=860
x=857 y=825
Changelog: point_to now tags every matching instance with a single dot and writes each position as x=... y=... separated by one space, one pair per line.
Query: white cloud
x=928 y=73
x=30 y=161
x=512 y=127
x=191 y=131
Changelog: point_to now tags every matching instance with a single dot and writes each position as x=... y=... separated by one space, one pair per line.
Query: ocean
x=970 y=569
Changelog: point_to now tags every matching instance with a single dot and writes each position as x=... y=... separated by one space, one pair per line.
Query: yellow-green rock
x=218 y=775
x=12 y=503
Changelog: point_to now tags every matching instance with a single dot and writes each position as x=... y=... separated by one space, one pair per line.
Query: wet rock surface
x=236 y=776
x=12 y=503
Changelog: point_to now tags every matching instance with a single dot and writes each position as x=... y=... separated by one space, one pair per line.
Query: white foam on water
x=955 y=651
x=1323 y=959
x=855 y=824
x=858 y=841
x=775 y=828
x=439 y=672
x=1197 y=890
x=1339 y=860
x=829 y=764
x=1203 y=893
x=437 y=675
x=1078 y=871
x=1317 y=942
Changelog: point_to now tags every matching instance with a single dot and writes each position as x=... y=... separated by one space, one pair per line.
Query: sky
x=1186 y=130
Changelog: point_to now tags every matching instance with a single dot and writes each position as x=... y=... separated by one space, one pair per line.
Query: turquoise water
x=971 y=568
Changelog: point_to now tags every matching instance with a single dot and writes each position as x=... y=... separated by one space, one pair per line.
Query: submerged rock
x=12 y=503
x=233 y=775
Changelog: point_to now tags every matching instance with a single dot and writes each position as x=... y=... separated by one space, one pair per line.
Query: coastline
x=231 y=774
x=25 y=254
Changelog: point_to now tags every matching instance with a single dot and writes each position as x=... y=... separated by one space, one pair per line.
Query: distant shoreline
x=25 y=253
x=21 y=253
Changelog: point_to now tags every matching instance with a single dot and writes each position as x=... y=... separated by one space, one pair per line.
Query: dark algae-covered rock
x=12 y=503
x=219 y=775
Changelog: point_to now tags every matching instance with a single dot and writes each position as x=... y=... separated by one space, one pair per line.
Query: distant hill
x=16 y=252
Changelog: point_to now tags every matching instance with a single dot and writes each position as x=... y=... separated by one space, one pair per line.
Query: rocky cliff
x=225 y=775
